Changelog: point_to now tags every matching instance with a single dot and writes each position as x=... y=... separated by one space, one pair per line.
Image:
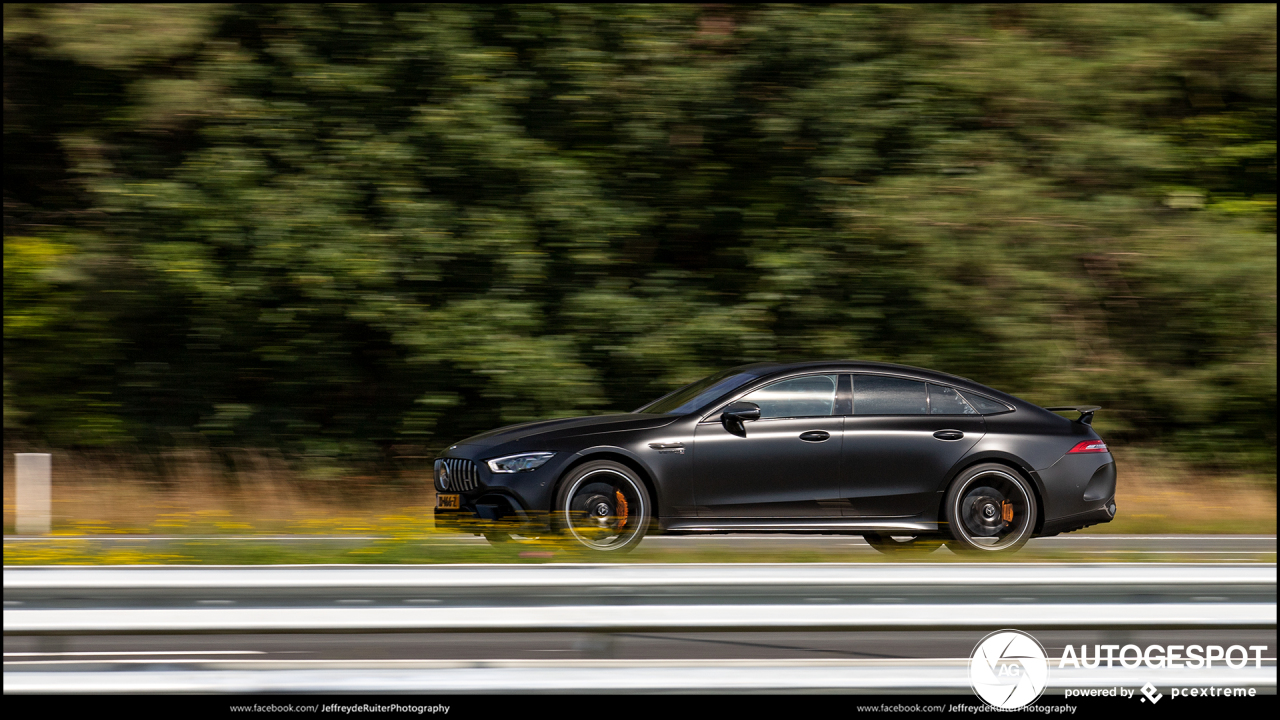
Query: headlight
x=519 y=463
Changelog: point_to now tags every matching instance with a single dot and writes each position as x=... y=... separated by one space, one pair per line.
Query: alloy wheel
x=990 y=509
x=604 y=507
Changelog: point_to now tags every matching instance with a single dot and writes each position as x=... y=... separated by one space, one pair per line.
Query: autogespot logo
x=1008 y=669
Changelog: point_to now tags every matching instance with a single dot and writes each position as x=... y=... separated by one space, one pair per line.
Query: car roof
x=771 y=369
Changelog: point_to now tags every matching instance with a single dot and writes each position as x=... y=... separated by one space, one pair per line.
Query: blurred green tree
x=343 y=229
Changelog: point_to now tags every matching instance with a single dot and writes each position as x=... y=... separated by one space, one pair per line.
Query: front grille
x=463 y=475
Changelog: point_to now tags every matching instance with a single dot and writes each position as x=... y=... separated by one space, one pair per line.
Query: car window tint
x=985 y=406
x=946 y=401
x=808 y=396
x=877 y=395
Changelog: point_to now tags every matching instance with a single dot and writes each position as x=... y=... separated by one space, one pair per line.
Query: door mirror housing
x=738 y=413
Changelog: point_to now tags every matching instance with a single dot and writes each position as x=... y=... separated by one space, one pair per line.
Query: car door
x=787 y=466
x=902 y=439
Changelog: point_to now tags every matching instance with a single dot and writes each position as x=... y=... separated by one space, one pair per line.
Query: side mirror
x=738 y=413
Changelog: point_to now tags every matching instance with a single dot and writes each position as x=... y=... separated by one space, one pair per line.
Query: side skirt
x=817 y=527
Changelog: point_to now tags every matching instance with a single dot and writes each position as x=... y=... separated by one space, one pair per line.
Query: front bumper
x=487 y=501
x=527 y=491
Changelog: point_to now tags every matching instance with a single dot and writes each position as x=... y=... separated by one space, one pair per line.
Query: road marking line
x=1182 y=552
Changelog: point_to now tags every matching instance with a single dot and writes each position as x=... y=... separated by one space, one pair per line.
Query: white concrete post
x=34 y=489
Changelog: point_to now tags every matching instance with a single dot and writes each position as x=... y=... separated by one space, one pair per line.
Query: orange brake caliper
x=1006 y=511
x=622 y=509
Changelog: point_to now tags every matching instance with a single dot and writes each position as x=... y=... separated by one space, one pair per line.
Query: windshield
x=693 y=396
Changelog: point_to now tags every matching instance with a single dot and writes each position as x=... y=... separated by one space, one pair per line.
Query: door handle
x=814 y=436
x=948 y=434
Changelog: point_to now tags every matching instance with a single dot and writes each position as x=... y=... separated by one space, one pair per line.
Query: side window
x=946 y=401
x=877 y=395
x=984 y=405
x=808 y=396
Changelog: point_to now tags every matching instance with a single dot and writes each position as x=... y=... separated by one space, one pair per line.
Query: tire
x=990 y=509
x=902 y=544
x=603 y=506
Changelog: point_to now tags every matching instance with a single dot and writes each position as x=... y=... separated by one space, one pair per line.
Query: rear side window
x=946 y=401
x=984 y=405
x=808 y=396
x=878 y=395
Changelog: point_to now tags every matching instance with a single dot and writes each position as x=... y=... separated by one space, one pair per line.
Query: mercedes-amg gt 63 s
x=907 y=458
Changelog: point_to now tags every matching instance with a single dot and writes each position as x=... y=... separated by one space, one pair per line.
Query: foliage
x=343 y=230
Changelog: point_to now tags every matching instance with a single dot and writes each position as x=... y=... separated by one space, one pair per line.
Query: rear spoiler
x=1086 y=412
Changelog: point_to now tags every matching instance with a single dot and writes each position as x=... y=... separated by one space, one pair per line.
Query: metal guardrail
x=618 y=598
x=614 y=599
x=929 y=677
x=640 y=618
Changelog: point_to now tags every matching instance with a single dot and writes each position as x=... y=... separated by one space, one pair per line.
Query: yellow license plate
x=447 y=502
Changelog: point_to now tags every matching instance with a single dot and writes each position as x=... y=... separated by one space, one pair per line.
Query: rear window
x=985 y=405
x=946 y=401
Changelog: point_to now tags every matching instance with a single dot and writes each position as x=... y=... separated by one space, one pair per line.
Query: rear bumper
x=1105 y=514
x=1078 y=486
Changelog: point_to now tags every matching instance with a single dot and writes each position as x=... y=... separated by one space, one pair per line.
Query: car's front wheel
x=990 y=508
x=604 y=506
x=900 y=544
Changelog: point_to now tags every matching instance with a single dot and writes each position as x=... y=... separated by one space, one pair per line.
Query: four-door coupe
x=905 y=457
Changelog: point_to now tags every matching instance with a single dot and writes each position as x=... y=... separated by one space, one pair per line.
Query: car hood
x=569 y=427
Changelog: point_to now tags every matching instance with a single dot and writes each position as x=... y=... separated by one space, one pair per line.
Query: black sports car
x=905 y=457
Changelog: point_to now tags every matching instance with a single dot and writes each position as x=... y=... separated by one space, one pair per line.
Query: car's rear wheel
x=990 y=508
x=900 y=544
x=604 y=506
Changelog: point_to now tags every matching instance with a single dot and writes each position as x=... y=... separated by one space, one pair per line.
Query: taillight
x=1089 y=446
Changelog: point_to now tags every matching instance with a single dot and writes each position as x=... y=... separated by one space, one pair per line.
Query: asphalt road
x=1215 y=548
x=259 y=651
